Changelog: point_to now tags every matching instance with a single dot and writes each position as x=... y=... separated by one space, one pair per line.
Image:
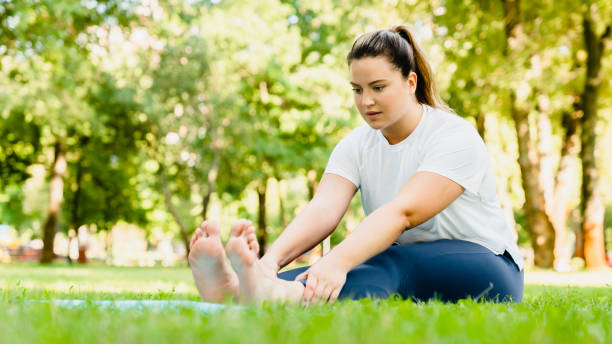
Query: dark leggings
x=448 y=270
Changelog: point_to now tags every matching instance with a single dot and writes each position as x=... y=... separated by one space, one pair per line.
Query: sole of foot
x=212 y=272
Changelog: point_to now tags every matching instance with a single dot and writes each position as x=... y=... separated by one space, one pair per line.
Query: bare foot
x=256 y=285
x=211 y=270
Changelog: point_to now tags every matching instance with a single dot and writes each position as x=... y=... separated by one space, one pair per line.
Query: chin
x=375 y=125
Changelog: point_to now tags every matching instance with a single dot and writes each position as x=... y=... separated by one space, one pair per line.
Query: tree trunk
x=206 y=201
x=547 y=179
x=55 y=202
x=70 y=238
x=312 y=183
x=592 y=205
x=212 y=183
x=261 y=219
x=566 y=173
x=556 y=193
x=205 y=204
x=481 y=124
x=281 y=205
x=82 y=258
x=579 y=243
x=172 y=209
x=539 y=226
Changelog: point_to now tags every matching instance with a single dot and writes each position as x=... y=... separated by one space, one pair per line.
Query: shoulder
x=444 y=125
x=445 y=120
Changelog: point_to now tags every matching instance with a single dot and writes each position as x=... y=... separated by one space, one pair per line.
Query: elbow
x=402 y=213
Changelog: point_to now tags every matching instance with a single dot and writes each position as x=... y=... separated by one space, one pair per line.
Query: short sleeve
x=460 y=156
x=343 y=160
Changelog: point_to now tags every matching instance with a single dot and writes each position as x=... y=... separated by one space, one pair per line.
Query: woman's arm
x=424 y=195
x=314 y=223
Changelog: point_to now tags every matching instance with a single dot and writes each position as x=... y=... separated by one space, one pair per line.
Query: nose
x=367 y=99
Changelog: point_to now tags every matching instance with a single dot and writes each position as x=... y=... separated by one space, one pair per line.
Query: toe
x=252 y=240
x=250 y=233
x=212 y=228
x=254 y=245
x=196 y=235
x=204 y=229
x=238 y=228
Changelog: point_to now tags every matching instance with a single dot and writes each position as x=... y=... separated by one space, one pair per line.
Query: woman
x=434 y=226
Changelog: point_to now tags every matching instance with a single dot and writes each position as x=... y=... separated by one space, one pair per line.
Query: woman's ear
x=412 y=82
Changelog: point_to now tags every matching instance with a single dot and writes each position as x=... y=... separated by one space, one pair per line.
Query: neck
x=401 y=129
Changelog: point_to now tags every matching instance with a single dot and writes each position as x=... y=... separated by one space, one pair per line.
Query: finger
x=311 y=284
x=326 y=294
x=334 y=295
x=318 y=293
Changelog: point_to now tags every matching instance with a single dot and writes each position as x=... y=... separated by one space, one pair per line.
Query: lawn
x=548 y=314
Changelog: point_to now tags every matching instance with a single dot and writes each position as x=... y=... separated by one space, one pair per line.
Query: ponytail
x=398 y=44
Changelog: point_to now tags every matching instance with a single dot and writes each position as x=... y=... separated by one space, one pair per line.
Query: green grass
x=546 y=315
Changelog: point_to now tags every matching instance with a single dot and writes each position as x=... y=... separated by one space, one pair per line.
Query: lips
x=372 y=113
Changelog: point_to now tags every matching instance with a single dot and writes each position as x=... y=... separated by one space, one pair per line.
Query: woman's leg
x=378 y=277
x=447 y=269
x=455 y=269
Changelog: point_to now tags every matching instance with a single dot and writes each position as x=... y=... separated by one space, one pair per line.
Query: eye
x=378 y=88
x=357 y=90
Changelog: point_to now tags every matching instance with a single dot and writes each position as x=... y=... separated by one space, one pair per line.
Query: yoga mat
x=137 y=305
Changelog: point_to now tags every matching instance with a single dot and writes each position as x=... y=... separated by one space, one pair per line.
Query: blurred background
x=125 y=124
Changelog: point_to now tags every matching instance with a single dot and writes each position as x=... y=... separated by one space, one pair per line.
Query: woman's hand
x=324 y=280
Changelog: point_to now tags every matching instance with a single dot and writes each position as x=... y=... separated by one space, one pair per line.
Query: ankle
x=270 y=263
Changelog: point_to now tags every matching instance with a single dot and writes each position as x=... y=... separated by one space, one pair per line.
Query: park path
x=582 y=278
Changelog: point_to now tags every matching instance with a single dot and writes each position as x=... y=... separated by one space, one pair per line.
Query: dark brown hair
x=399 y=46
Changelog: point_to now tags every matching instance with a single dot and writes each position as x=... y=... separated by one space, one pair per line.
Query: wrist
x=333 y=258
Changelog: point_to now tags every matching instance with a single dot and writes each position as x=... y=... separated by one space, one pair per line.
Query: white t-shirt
x=442 y=143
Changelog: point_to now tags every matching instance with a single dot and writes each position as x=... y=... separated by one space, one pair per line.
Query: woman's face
x=382 y=95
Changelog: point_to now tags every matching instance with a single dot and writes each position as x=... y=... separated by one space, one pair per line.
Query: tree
x=592 y=205
x=51 y=71
x=104 y=163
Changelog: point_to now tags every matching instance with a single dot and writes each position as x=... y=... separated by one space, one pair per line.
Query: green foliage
x=100 y=186
x=257 y=89
x=19 y=146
